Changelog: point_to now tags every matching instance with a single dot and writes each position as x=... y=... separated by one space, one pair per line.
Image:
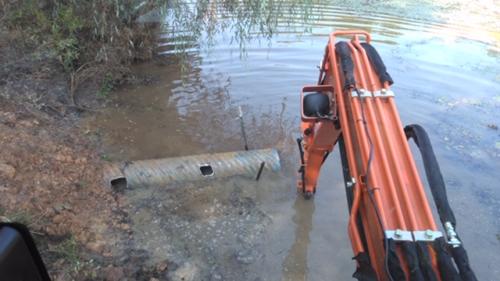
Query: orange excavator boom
x=392 y=229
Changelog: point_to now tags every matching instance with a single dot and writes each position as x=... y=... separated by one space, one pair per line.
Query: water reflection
x=244 y=20
x=198 y=24
x=295 y=264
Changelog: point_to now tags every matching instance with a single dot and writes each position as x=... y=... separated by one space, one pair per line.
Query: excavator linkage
x=393 y=232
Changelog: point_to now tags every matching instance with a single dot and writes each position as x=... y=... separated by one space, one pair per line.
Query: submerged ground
x=443 y=57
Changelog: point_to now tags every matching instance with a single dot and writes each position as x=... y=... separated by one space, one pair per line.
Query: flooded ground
x=444 y=58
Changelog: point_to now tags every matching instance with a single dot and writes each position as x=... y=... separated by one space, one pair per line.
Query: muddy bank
x=50 y=179
x=209 y=232
x=51 y=173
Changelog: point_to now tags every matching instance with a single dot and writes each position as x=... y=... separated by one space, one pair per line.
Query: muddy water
x=444 y=59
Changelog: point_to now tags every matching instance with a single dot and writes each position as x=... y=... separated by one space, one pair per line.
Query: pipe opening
x=206 y=170
x=119 y=183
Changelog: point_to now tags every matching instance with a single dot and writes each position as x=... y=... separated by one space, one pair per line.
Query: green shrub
x=92 y=39
x=56 y=28
x=107 y=86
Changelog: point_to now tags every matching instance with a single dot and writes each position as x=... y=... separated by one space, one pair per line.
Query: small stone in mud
x=245 y=257
x=124 y=226
x=187 y=272
x=63 y=158
x=8 y=119
x=492 y=126
x=7 y=170
x=95 y=246
x=58 y=219
x=113 y=273
x=27 y=123
x=162 y=266
x=58 y=208
x=107 y=254
x=216 y=276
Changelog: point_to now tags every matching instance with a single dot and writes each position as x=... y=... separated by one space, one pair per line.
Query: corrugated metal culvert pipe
x=191 y=168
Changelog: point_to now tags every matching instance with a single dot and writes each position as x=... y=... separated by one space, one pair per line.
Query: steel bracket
x=362 y=93
x=452 y=235
x=426 y=235
x=384 y=93
x=399 y=235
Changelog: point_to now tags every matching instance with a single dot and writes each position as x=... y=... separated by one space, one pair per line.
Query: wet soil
x=48 y=181
x=51 y=176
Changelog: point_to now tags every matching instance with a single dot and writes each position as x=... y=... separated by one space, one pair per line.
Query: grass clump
x=69 y=251
x=106 y=86
x=92 y=40
x=18 y=216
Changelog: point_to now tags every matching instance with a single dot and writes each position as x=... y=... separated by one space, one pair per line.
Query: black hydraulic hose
x=447 y=271
x=377 y=63
x=412 y=260
x=346 y=173
x=342 y=49
x=425 y=261
x=299 y=143
x=433 y=173
x=438 y=190
x=462 y=262
x=302 y=170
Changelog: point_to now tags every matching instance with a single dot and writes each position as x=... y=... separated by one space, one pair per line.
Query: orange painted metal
x=318 y=139
x=398 y=194
x=378 y=141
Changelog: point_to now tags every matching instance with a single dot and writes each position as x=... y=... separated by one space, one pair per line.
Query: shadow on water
x=444 y=58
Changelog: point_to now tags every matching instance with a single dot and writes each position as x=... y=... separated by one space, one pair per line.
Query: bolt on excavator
x=392 y=229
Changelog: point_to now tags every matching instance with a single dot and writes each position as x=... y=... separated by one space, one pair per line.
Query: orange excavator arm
x=391 y=226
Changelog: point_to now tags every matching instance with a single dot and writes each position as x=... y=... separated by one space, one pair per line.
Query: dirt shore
x=51 y=179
